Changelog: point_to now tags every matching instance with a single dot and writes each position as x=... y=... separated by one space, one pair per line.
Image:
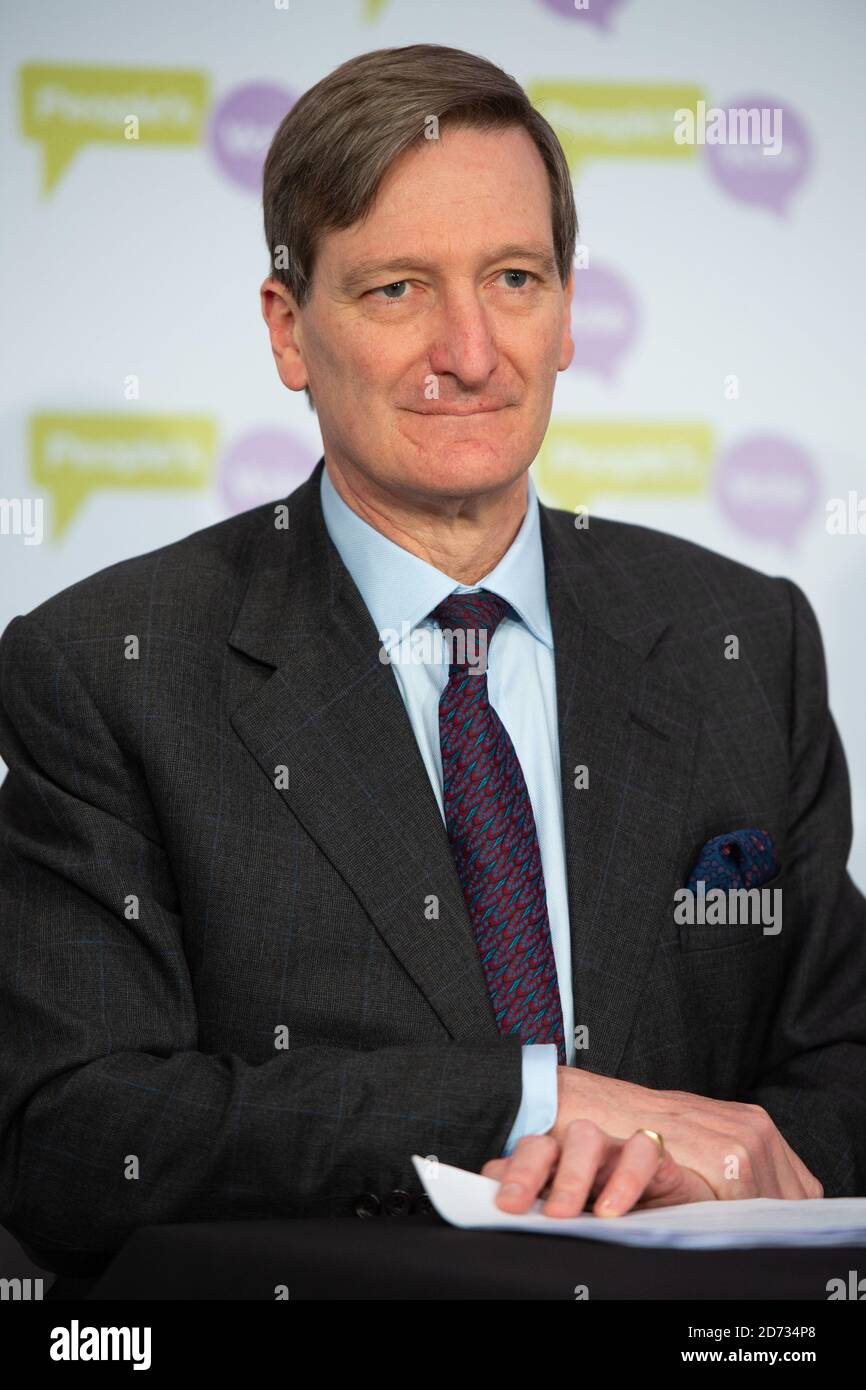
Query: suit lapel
x=331 y=714
x=636 y=735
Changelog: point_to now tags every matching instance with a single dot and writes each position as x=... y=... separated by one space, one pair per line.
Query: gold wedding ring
x=656 y=1138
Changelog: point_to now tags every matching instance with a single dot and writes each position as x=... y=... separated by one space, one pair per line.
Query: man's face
x=435 y=326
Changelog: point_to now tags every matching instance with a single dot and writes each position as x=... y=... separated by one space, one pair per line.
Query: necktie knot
x=470 y=620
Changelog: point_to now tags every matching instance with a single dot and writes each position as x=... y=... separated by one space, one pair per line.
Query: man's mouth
x=461 y=412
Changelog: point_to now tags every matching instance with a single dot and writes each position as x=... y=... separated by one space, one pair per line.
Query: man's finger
x=494 y=1168
x=635 y=1169
x=527 y=1171
x=584 y=1148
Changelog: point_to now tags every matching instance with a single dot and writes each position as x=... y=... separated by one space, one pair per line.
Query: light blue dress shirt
x=400 y=591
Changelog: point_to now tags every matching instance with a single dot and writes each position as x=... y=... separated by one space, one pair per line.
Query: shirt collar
x=400 y=588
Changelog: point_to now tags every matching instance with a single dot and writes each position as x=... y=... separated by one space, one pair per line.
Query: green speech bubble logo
x=603 y=120
x=65 y=108
x=580 y=459
x=74 y=455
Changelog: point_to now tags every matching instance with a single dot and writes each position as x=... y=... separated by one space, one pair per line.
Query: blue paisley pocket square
x=741 y=859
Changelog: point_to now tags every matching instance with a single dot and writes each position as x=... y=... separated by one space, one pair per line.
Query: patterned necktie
x=488 y=816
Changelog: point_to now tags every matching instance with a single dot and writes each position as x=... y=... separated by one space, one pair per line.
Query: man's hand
x=587 y=1163
x=735 y=1148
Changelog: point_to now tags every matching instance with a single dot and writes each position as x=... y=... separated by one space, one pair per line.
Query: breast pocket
x=748 y=917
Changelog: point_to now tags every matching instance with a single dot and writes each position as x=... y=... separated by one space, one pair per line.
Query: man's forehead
x=431 y=183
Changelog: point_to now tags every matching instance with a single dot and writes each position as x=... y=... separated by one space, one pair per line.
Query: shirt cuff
x=537 y=1111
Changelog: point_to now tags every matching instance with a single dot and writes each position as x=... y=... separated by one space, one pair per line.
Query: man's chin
x=466 y=468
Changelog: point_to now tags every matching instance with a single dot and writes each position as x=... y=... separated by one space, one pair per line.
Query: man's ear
x=566 y=347
x=281 y=314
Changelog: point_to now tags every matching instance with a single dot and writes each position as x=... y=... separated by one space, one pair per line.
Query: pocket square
x=740 y=859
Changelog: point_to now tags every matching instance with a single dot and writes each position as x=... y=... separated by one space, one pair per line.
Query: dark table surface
x=408 y=1257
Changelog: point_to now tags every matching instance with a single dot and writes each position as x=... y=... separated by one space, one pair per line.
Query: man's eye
x=385 y=290
x=397 y=290
x=527 y=275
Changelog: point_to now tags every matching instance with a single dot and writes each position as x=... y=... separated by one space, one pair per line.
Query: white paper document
x=467 y=1199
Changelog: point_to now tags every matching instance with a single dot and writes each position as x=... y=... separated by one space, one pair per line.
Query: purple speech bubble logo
x=242 y=128
x=604 y=319
x=768 y=487
x=746 y=173
x=596 y=12
x=262 y=466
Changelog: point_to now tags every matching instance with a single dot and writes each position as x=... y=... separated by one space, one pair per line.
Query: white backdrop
x=716 y=391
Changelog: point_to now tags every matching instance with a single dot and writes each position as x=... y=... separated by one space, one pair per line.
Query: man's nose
x=463 y=343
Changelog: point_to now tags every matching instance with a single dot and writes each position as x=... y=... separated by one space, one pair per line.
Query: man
x=290 y=894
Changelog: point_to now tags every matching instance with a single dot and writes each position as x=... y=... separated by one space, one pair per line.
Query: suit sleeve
x=110 y=1116
x=813 y=1077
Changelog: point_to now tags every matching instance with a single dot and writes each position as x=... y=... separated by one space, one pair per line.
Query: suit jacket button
x=367 y=1204
x=423 y=1206
x=397 y=1203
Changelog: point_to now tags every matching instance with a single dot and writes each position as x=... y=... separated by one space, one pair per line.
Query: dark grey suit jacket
x=172 y=902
